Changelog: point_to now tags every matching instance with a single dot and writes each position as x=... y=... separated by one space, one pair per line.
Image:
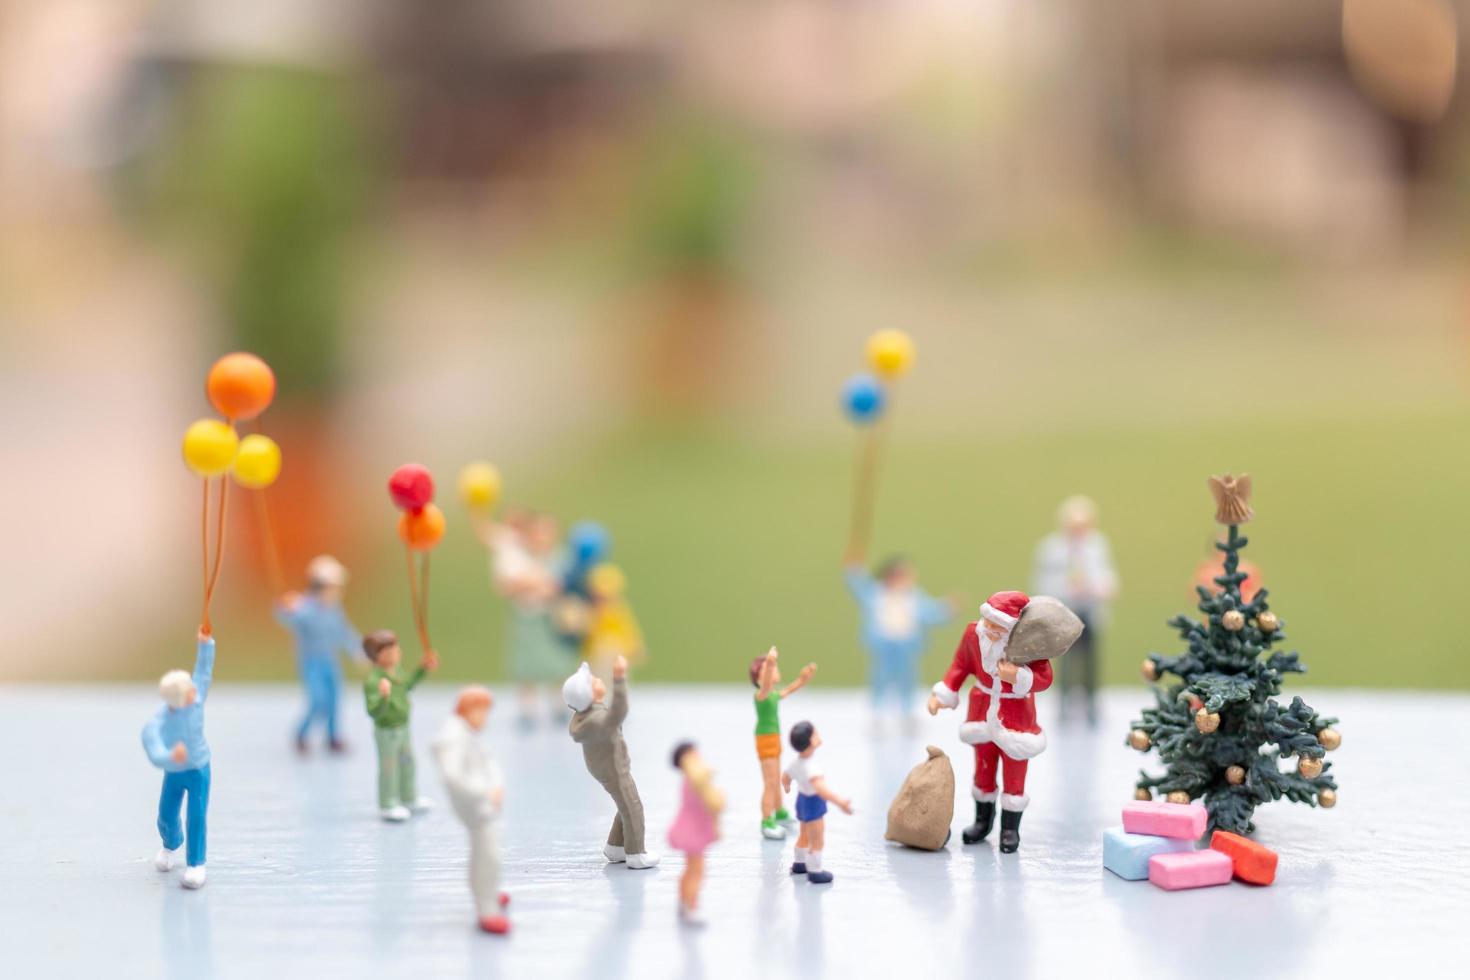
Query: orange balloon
x=422 y=530
x=240 y=386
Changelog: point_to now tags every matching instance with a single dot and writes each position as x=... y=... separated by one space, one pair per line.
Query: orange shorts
x=768 y=746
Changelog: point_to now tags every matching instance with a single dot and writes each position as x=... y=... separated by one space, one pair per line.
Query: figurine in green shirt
x=386 y=693
x=765 y=675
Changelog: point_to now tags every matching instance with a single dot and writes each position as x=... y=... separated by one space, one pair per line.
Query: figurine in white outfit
x=476 y=792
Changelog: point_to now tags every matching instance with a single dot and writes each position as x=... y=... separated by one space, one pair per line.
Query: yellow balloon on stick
x=258 y=462
x=890 y=353
x=209 y=447
x=479 y=486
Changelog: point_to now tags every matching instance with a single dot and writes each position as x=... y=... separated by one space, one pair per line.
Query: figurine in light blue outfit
x=174 y=740
x=896 y=618
x=323 y=632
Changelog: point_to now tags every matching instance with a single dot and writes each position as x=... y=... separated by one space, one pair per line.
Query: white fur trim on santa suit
x=981 y=796
x=987 y=611
x=1021 y=686
x=1015 y=804
x=945 y=696
x=1012 y=744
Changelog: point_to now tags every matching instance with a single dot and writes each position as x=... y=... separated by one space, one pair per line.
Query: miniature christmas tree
x=1219 y=729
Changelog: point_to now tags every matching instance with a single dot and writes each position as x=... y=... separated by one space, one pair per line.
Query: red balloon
x=411 y=487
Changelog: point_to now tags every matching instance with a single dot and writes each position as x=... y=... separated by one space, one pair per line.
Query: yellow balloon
x=209 y=447
x=479 y=486
x=890 y=353
x=258 y=462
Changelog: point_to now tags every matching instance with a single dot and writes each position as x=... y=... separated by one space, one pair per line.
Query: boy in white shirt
x=812 y=797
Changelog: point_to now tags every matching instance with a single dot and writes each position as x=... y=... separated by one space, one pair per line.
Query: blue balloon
x=589 y=542
x=862 y=397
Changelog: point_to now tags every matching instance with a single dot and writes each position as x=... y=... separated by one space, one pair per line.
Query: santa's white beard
x=991 y=650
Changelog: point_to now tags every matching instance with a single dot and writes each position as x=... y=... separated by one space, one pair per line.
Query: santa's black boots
x=1010 y=831
x=980 y=829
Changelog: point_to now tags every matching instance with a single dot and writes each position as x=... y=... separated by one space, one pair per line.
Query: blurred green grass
x=732 y=542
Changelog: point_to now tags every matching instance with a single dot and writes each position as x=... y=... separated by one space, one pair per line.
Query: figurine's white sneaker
x=164 y=859
x=193 y=877
x=614 y=853
x=691 y=917
x=642 y=862
x=396 y=814
x=421 y=805
x=771 y=830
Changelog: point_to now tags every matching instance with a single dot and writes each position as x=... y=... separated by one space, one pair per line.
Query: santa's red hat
x=1004 y=608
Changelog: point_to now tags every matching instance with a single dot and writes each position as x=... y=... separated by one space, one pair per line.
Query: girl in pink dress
x=695 y=827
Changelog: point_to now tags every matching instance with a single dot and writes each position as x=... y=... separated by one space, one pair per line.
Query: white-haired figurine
x=598 y=728
x=476 y=793
x=1075 y=565
x=174 y=740
x=323 y=633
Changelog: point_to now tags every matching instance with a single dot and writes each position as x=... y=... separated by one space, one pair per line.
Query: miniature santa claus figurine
x=1001 y=722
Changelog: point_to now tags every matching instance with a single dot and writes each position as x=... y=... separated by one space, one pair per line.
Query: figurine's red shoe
x=497 y=924
x=504 y=899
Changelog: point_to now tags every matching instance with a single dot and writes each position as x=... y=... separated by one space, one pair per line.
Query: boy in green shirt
x=765 y=675
x=386 y=693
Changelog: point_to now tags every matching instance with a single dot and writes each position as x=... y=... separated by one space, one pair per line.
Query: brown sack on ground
x=1046 y=630
x=924 y=807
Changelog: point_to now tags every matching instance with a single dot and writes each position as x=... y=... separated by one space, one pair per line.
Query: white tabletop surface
x=304 y=880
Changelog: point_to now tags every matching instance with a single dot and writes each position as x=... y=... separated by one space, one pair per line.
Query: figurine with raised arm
x=1075 y=564
x=386 y=694
x=476 y=793
x=1001 y=720
x=765 y=674
x=598 y=728
x=323 y=633
x=695 y=827
x=812 y=796
x=174 y=741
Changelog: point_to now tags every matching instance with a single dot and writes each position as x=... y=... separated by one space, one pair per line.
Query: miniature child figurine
x=322 y=631
x=695 y=827
x=525 y=568
x=1001 y=721
x=174 y=740
x=897 y=616
x=1075 y=564
x=473 y=782
x=386 y=693
x=812 y=797
x=765 y=674
x=598 y=728
x=612 y=629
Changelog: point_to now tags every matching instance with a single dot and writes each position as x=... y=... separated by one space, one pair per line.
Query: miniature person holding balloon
x=323 y=633
x=174 y=742
x=386 y=693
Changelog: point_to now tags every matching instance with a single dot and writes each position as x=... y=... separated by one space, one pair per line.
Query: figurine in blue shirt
x=174 y=741
x=322 y=632
x=896 y=618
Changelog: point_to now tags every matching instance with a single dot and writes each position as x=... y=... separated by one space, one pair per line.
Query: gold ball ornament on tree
x=1143 y=794
x=1233 y=620
x=1235 y=775
x=1206 y=721
x=1149 y=670
x=1327 y=799
x=1178 y=796
x=1267 y=622
x=1309 y=767
x=1329 y=738
x=1138 y=738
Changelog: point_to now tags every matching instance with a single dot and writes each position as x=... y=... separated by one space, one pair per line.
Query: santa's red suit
x=1001 y=722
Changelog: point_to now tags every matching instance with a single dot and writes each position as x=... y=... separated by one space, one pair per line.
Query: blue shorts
x=809 y=808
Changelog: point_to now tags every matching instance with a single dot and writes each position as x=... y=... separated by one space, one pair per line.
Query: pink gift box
x=1190 y=869
x=1185 y=821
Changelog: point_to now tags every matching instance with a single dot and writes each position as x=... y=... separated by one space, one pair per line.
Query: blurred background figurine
x=174 y=740
x=812 y=796
x=386 y=693
x=322 y=632
x=695 y=827
x=1213 y=567
x=1075 y=564
x=896 y=618
x=612 y=629
x=598 y=728
x=476 y=792
x=525 y=563
x=765 y=674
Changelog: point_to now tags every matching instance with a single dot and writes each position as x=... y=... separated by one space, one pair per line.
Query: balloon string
x=219 y=544
x=204 y=548
x=413 y=598
x=424 y=603
x=268 y=531
x=864 y=481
